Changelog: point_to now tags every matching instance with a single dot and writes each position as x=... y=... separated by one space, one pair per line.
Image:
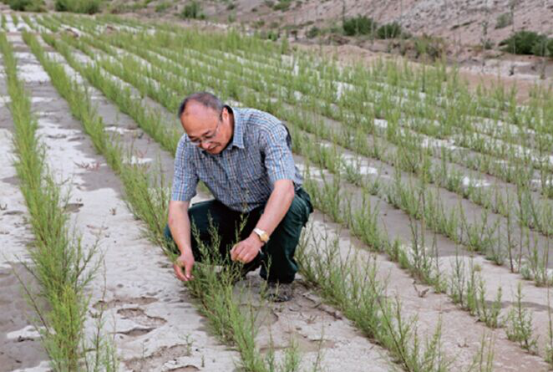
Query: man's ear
x=225 y=113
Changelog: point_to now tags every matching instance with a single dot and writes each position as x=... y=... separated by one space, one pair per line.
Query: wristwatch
x=262 y=235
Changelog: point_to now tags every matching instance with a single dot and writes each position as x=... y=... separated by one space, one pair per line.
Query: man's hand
x=246 y=250
x=185 y=260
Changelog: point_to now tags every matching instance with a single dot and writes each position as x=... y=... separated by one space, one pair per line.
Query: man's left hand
x=246 y=250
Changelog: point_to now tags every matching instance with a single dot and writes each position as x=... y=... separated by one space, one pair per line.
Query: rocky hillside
x=466 y=22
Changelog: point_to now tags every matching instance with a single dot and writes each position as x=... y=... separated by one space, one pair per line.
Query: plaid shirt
x=242 y=175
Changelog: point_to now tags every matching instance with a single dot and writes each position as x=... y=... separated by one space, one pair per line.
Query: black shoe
x=279 y=292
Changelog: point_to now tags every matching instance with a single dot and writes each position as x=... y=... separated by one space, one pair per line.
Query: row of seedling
x=358 y=78
x=60 y=264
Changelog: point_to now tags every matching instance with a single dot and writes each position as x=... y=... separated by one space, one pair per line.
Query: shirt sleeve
x=185 y=179
x=279 y=161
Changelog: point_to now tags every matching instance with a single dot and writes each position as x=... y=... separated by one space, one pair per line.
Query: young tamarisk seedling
x=549 y=345
x=519 y=324
x=535 y=267
x=469 y=291
x=483 y=361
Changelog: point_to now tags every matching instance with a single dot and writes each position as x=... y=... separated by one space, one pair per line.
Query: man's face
x=206 y=128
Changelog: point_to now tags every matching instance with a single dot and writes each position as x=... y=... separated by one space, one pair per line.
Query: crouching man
x=244 y=157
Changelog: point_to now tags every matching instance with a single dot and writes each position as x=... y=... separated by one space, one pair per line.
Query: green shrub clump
x=389 y=31
x=543 y=47
x=78 y=6
x=282 y=5
x=313 y=32
x=192 y=10
x=163 y=6
x=360 y=25
x=523 y=42
x=504 y=20
x=26 y=5
x=432 y=47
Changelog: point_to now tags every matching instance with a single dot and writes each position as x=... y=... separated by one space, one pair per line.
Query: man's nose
x=204 y=145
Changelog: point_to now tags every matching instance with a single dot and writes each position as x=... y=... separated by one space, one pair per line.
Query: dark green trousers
x=277 y=256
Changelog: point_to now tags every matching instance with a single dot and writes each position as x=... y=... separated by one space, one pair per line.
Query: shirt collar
x=238 y=133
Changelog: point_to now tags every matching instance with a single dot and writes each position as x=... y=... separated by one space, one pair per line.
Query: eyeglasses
x=208 y=138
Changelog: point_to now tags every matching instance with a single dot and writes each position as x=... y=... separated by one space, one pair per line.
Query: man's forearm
x=277 y=206
x=179 y=224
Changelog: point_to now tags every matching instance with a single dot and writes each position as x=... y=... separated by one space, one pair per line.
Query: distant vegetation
x=74 y=6
x=282 y=5
x=363 y=25
x=429 y=46
x=504 y=20
x=528 y=43
x=163 y=6
x=26 y=5
x=390 y=31
x=360 y=25
x=417 y=47
x=313 y=32
x=78 y=6
x=192 y=10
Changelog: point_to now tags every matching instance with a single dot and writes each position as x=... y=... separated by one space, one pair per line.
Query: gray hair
x=206 y=99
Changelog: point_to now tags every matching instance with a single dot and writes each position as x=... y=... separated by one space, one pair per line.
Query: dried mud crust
x=149 y=313
x=318 y=330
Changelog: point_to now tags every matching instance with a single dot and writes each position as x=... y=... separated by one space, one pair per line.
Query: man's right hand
x=186 y=261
